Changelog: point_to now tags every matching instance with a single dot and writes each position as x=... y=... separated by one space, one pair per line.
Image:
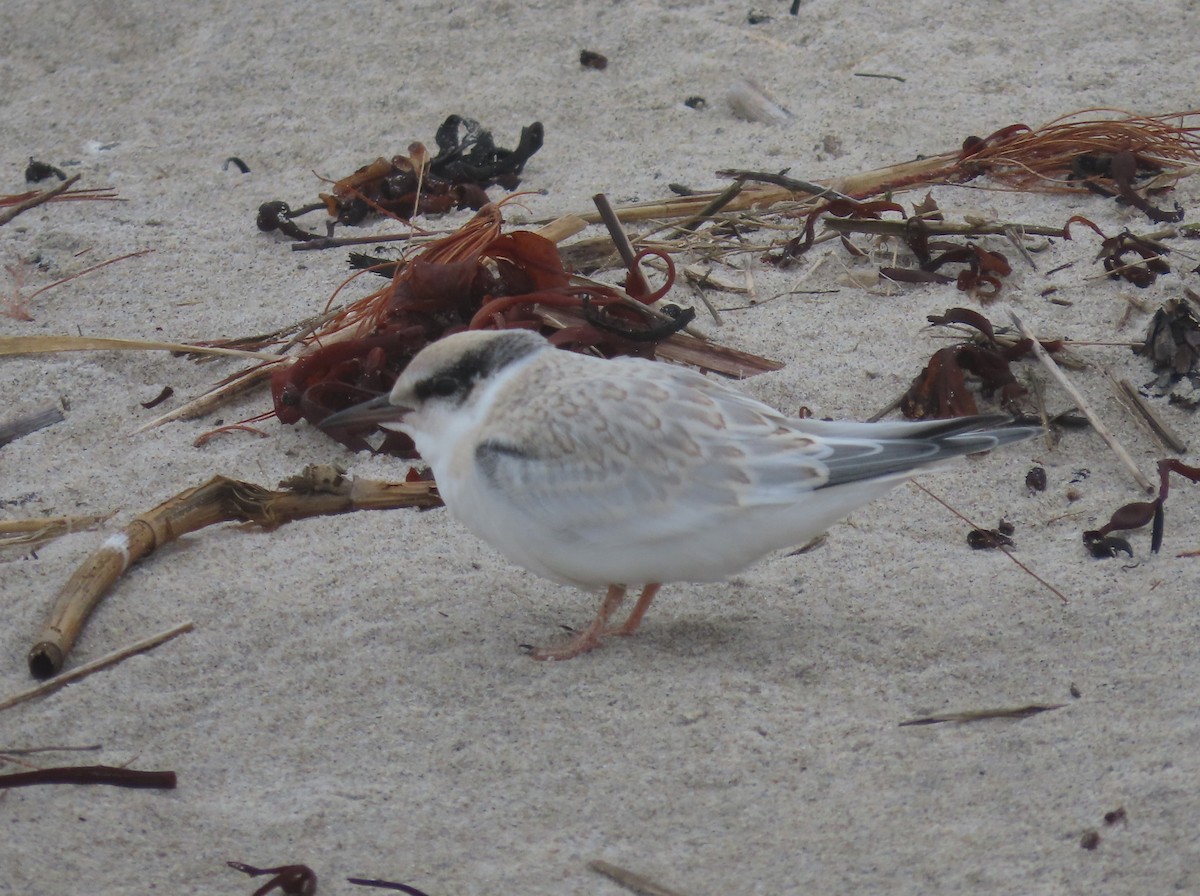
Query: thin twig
x=817 y=191
x=48 y=687
x=616 y=231
x=88 y=270
x=1081 y=403
x=337 y=242
x=1062 y=597
x=721 y=200
x=938 y=228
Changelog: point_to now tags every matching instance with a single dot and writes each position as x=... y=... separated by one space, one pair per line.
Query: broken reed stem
x=29 y=751
x=319 y=491
x=31 y=533
x=980 y=715
x=38 y=199
x=900 y=229
x=39 y=345
x=111 y=659
x=1037 y=155
x=1153 y=421
x=1097 y=424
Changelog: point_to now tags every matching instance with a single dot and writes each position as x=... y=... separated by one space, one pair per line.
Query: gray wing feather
x=684 y=453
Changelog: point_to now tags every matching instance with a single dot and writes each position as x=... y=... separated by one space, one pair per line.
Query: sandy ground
x=354 y=695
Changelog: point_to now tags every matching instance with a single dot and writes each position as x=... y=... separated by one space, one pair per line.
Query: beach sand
x=354 y=695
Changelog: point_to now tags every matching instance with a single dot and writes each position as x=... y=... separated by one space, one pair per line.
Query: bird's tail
x=891 y=450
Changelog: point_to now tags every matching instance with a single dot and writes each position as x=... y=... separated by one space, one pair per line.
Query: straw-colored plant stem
x=319 y=491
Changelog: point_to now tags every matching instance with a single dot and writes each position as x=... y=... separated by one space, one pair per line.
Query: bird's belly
x=600 y=557
x=724 y=541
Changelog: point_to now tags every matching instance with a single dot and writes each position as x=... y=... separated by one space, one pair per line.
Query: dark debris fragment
x=1114 y=249
x=1097 y=170
x=941 y=389
x=1102 y=544
x=291 y=880
x=37 y=171
x=1173 y=346
x=592 y=59
x=990 y=539
x=468 y=161
x=1035 y=479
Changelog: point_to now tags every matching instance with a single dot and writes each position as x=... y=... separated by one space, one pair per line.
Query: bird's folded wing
x=667 y=464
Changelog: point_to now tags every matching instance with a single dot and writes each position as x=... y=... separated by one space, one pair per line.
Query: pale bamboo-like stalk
x=319 y=491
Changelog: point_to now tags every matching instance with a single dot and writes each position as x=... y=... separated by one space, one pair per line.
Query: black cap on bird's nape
x=455 y=380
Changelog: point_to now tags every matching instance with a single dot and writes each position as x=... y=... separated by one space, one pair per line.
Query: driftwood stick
x=320 y=491
x=1097 y=424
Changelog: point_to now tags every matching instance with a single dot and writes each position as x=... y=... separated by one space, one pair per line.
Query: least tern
x=611 y=473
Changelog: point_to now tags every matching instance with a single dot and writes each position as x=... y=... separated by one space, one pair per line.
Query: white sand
x=354 y=696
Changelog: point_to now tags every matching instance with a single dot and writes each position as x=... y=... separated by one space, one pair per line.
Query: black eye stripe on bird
x=458 y=378
x=606 y=474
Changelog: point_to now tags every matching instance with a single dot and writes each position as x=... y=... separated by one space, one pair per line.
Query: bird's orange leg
x=589 y=638
x=636 y=614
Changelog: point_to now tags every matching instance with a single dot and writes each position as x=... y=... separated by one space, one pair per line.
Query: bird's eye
x=443 y=386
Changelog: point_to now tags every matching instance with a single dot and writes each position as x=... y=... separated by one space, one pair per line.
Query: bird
x=607 y=474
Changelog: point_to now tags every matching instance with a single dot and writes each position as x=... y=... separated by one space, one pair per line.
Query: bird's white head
x=441 y=387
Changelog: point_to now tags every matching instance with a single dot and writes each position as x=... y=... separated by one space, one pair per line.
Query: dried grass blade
x=40 y=345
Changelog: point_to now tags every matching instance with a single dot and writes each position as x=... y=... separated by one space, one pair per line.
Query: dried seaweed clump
x=1173 y=346
x=981 y=271
x=1127 y=158
x=476 y=278
x=941 y=389
x=467 y=163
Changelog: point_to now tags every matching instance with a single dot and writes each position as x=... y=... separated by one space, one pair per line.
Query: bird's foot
x=581 y=643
